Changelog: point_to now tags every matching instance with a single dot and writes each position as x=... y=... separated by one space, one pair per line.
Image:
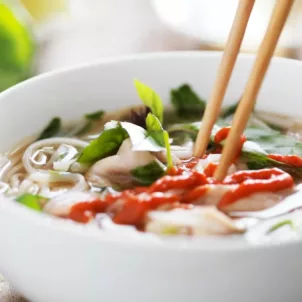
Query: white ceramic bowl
x=49 y=259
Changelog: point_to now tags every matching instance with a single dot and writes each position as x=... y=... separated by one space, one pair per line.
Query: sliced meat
x=61 y=204
x=199 y=221
x=115 y=170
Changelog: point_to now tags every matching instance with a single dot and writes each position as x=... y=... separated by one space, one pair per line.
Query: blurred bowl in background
x=203 y=20
x=93 y=29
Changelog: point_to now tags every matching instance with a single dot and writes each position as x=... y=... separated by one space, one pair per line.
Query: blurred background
x=37 y=36
x=40 y=35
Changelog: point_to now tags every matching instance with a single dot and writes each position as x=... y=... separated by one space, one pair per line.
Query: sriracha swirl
x=180 y=189
x=249 y=182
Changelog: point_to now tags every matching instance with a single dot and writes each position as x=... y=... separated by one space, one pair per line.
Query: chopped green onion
x=280 y=224
x=31 y=201
x=168 y=148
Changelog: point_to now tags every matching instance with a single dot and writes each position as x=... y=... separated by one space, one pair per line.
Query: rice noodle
x=39 y=158
x=45 y=179
x=4 y=187
x=16 y=179
x=5 y=163
x=12 y=171
x=64 y=157
x=39 y=145
x=28 y=186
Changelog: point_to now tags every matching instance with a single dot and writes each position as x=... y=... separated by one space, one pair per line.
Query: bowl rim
x=141 y=240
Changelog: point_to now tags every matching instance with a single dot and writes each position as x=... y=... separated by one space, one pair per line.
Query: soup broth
x=135 y=167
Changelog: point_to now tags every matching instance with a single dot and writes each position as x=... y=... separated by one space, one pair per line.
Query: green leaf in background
x=16 y=50
x=52 y=129
x=31 y=201
x=94 y=116
x=150 y=98
x=187 y=102
x=189 y=129
x=148 y=174
x=273 y=142
x=90 y=119
x=105 y=145
x=260 y=143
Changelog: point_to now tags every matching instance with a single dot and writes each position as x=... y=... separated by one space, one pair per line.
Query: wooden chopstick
x=247 y=103
x=224 y=74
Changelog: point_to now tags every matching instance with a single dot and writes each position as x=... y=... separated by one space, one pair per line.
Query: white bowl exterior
x=50 y=260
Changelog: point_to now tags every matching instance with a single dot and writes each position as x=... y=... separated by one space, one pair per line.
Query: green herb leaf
x=140 y=139
x=105 y=145
x=281 y=224
x=273 y=141
x=31 y=201
x=168 y=148
x=261 y=142
x=150 y=98
x=84 y=129
x=155 y=129
x=148 y=174
x=52 y=129
x=187 y=102
x=256 y=161
x=190 y=129
x=95 y=115
x=90 y=119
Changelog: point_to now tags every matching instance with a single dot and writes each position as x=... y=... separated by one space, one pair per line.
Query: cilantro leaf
x=148 y=174
x=187 y=102
x=272 y=141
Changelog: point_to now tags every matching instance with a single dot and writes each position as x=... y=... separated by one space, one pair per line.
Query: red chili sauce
x=182 y=186
x=131 y=206
x=292 y=160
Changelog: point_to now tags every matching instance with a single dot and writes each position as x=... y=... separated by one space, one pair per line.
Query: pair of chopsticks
x=247 y=102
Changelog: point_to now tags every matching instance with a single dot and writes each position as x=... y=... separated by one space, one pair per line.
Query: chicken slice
x=199 y=221
x=254 y=202
x=61 y=205
x=115 y=170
